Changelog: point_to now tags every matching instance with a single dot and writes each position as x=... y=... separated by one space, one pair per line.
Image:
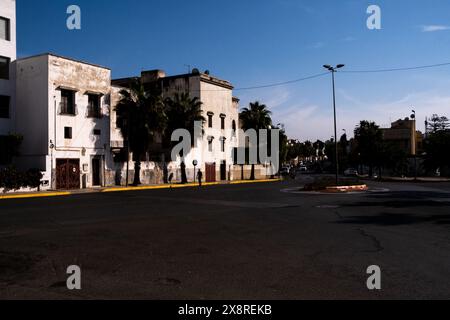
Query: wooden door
x=210 y=172
x=96 y=166
x=67 y=174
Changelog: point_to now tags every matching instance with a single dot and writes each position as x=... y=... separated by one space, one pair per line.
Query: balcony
x=67 y=109
x=93 y=112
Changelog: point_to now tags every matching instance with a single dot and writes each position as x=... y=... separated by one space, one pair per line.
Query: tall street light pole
x=333 y=71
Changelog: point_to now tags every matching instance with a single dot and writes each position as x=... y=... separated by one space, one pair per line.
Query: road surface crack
x=374 y=239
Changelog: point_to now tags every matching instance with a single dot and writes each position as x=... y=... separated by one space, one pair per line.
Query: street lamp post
x=414 y=143
x=333 y=70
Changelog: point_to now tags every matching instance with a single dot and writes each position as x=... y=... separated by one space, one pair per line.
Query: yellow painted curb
x=37 y=195
x=255 y=181
x=174 y=186
x=123 y=189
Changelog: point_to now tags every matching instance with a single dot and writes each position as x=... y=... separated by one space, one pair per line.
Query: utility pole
x=333 y=71
x=414 y=143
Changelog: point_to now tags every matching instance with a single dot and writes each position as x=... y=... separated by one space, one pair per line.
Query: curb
x=348 y=188
x=37 y=195
x=125 y=189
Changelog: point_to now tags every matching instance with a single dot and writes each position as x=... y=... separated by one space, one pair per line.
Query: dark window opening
x=97 y=132
x=4 y=67
x=5 y=29
x=222 y=122
x=210 y=120
x=94 y=106
x=4 y=107
x=67 y=133
x=67 y=105
x=222 y=143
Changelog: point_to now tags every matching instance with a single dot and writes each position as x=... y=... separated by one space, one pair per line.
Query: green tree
x=369 y=140
x=437 y=151
x=437 y=123
x=182 y=113
x=256 y=116
x=141 y=118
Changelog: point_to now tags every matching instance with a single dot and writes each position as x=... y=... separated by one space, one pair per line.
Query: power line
x=282 y=83
x=397 y=69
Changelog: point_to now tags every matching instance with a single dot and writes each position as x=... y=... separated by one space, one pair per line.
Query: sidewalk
x=53 y=193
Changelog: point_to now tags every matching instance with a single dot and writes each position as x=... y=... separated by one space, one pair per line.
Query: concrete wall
x=32 y=107
x=8 y=49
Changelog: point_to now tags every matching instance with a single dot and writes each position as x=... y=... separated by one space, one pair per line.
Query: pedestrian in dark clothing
x=199 y=177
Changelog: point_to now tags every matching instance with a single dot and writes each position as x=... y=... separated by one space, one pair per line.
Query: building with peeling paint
x=63 y=107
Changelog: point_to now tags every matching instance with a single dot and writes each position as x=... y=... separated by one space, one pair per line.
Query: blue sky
x=258 y=42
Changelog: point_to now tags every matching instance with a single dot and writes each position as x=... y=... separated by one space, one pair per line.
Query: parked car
x=303 y=169
x=351 y=172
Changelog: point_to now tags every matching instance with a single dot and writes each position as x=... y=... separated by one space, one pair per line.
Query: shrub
x=12 y=179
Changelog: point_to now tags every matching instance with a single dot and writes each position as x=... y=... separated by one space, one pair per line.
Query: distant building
x=63 y=110
x=404 y=135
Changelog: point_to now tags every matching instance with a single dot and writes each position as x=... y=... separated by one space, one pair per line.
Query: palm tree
x=141 y=118
x=182 y=112
x=256 y=117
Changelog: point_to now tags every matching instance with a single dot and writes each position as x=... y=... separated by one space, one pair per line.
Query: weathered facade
x=64 y=108
x=213 y=152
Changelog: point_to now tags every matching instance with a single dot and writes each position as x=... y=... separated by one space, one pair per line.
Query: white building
x=7 y=57
x=63 y=114
x=214 y=151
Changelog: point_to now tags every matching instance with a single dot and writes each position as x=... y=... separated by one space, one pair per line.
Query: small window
x=210 y=144
x=4 y=107
x=67 y=133
x=222 y=144
x=97 y=132
x=222 y=122
x=233 y=126
x=210 y=119
x=4 y=68
x=5 y=29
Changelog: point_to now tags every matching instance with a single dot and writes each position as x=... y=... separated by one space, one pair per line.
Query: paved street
x=252 y=241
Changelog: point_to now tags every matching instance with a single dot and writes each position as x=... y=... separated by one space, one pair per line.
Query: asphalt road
x=252 y=241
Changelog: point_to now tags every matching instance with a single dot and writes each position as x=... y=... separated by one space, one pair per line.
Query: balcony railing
x=67 y=109
x=93 y=112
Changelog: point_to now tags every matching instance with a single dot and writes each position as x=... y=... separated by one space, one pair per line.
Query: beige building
x=404 y=135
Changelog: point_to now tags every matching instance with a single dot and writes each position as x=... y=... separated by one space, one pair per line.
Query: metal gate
x=67 y=174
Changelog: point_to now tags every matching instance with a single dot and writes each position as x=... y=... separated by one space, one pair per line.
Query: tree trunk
x=252 y=174
x=137 y=173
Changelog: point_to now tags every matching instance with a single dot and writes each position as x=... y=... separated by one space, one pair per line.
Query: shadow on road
x=395 y=219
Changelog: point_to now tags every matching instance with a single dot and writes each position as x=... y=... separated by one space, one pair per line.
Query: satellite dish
x=207 y=72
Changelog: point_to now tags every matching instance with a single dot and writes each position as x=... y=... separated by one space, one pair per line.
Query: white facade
x=58 y=130
x=7 y=52
x=214 y=150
